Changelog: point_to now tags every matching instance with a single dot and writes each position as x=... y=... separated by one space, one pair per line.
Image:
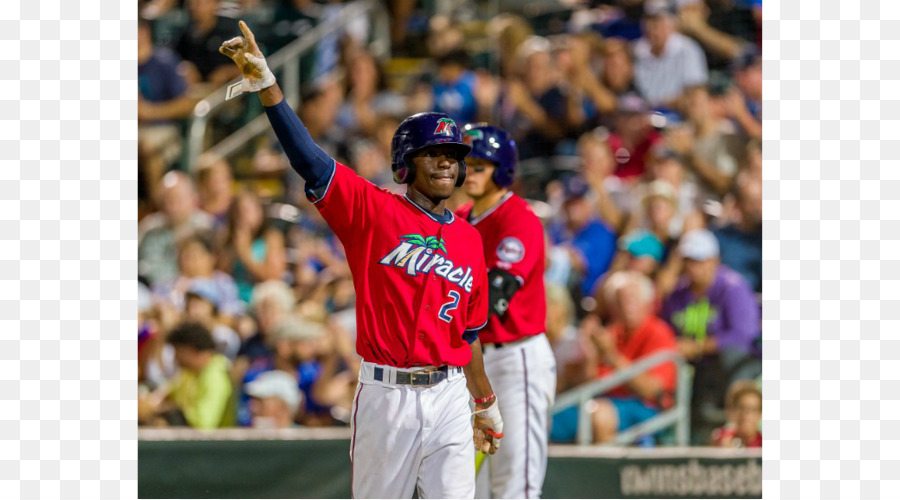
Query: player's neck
x=437 y=207
x=484 y=203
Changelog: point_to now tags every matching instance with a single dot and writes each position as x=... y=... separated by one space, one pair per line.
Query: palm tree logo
x=431 y=242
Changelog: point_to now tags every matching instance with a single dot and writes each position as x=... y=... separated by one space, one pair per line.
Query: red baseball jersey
x=420 y=283
x=514 y=242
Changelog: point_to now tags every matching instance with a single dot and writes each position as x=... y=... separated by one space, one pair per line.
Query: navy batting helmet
x=420 y=131
x=494 y=145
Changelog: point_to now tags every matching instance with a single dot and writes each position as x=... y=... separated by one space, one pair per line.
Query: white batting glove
x=246 y=54
x=488 y=428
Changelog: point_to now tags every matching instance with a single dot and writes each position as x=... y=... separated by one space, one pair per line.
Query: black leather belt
x=419 y=378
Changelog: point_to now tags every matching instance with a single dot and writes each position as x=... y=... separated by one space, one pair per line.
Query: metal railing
x=288 y=60
x=678 y=416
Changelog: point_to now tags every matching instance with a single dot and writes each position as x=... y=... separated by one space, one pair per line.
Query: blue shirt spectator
x=158 y=77
x=454 y=88
x=592 y=244
x=742 y=252
x=741 y=241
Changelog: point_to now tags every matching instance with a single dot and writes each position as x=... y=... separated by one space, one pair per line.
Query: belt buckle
x=426 y=378
x=420 y=378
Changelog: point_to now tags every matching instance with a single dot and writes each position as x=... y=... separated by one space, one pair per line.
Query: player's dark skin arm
x=271 y=96
x=476 y=379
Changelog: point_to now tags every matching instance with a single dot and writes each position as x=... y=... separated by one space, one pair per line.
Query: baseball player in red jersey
x=421 y=297
x=517 y=355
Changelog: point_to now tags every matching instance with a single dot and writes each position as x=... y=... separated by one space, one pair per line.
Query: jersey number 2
x=449 y=306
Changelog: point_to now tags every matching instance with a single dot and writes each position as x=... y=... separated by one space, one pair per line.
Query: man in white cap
x=716 y=317
x=275 y=400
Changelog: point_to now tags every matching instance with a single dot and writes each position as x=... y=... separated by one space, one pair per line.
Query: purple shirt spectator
x=729 y=312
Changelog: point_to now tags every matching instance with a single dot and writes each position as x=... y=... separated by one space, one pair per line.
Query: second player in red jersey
x=513 y=240
x=518 y=358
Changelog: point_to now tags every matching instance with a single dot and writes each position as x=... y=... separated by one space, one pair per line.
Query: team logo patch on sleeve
x=510 y=250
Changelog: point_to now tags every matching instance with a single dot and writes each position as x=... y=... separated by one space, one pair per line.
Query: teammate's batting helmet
x=494 y=145
x=420 y=131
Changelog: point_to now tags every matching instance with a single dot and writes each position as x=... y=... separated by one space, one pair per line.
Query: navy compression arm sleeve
x=306 y=157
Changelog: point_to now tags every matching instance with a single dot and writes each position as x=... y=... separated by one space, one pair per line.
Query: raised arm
x=307 y=158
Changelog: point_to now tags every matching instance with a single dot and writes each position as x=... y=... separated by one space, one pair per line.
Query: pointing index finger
x=247 y=33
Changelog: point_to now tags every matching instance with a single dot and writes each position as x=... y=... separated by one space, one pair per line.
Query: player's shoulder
x=346 y=173
x=517 y=213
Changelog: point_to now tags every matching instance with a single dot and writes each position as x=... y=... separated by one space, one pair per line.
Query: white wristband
x=256 y=84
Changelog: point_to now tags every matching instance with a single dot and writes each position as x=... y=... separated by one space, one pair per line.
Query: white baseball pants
x=523 y=375
x=406 y=437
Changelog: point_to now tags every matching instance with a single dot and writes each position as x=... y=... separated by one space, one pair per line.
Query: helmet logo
x=469 y=136
x=444 y=127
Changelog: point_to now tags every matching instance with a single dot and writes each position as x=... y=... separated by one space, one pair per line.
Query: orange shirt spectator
x=652 y=336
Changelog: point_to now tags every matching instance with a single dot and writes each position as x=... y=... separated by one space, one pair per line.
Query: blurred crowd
x=638 y=124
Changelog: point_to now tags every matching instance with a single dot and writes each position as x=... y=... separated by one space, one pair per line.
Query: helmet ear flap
x=461 y=173
x=404 y=174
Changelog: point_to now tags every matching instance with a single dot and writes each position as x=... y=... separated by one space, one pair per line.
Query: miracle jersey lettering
x=514 y=242
x=420 y=284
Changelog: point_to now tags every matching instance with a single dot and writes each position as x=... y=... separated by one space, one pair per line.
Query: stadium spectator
x=643 y=252
x=665 y=61
x=590 y=243
x=271 y=302
x=613 y=194
x=196 y=262
x=321 y=104
x=639 y=251
x=336 y=384
x=367 y=98
x=662 y=218
x=722 y=27
x=717 y=318
x=201 y=392
x=250 y=249
x=635 y=333
x=510 y=31
x=533 y=107
x=200 y=41
x=371 y=157
x=162 y=97
x=160 y=233
x=294 y=346
x=632 y=138
x=563 y=337
x=587 y=97
x=275 y=400
x=741 y=241
x=215 y=187
x=667 y=165
x=618 y=68
x=744 y=409
x=454 y=87
x=744 y=103
x=712 y=308
x=710 y=152
x=291 y=20
x=201 y=305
